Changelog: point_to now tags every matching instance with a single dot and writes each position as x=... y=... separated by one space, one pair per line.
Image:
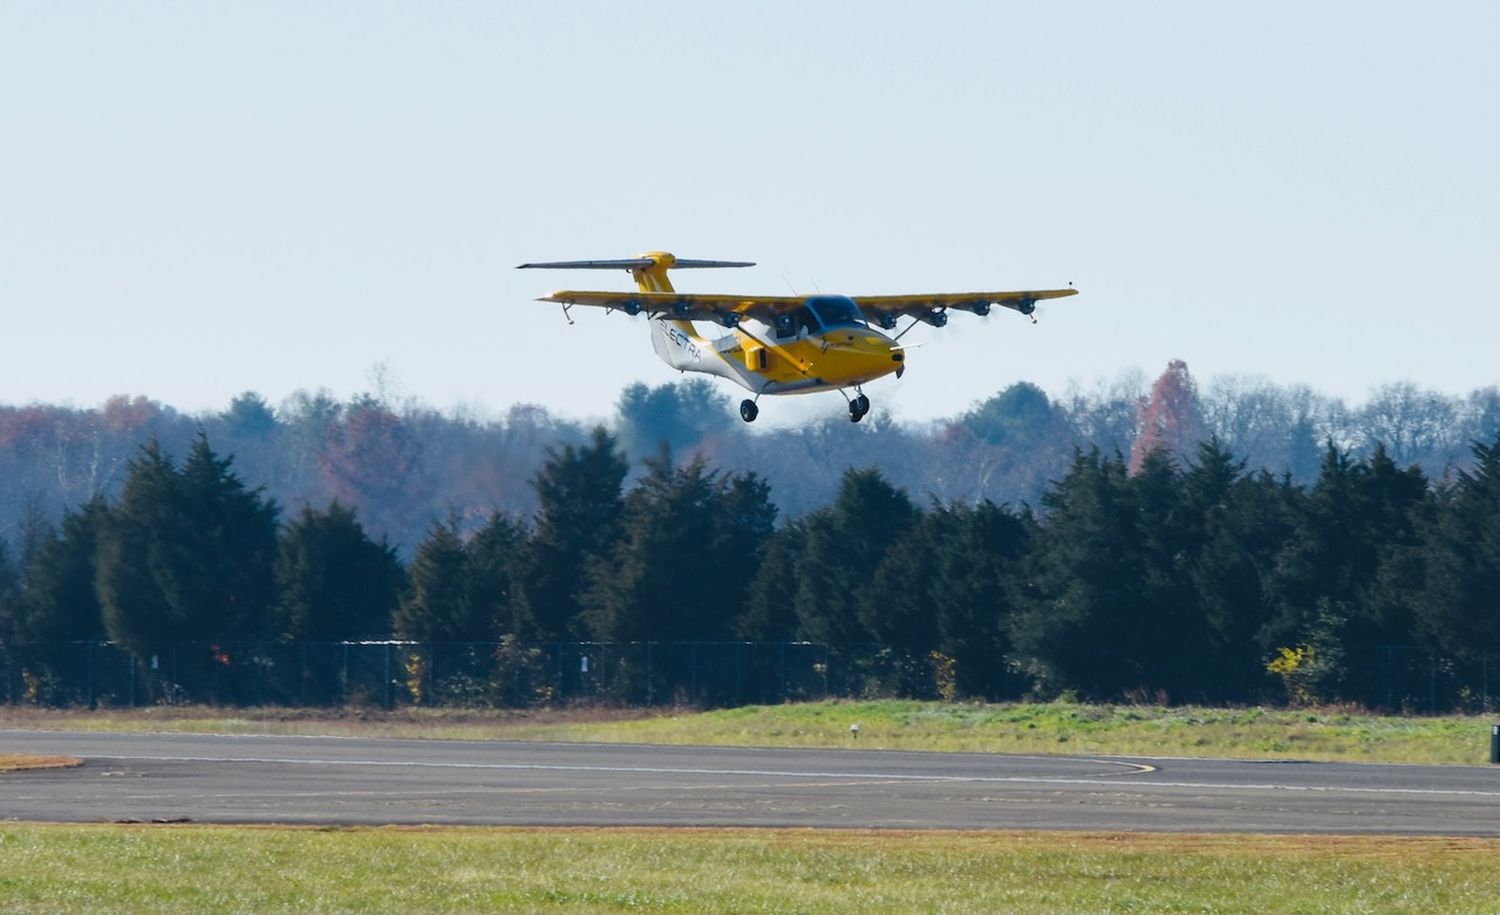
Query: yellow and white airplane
x=802 y=344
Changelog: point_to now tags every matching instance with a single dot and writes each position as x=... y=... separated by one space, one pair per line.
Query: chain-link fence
x=508 y=673
x=521 y=675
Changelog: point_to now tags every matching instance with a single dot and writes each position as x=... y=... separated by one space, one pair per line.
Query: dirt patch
x=15 y=762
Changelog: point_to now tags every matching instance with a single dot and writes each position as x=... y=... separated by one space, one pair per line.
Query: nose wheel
x=748 y=410
x=858 y=407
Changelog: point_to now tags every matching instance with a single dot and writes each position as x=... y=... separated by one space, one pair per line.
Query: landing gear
x=858 y=407
x=748 y=411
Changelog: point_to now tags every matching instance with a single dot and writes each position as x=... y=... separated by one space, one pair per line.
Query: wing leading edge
x=729 y=309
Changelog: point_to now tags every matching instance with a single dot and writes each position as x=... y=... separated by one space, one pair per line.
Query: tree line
x=402 y=465
x=1182 y=578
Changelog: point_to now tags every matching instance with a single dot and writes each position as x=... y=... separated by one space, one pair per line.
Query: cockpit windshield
x=835 y=310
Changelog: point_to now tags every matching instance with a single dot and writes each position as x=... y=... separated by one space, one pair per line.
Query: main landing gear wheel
x=858 y=407
x=748 y=411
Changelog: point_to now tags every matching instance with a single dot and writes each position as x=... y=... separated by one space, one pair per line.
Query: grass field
x=54 y=868
x=1058 y=727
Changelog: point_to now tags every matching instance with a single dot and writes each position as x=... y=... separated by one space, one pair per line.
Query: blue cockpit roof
x=835 y=310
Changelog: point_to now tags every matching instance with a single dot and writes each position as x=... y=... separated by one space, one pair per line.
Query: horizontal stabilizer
x=627 y=263
x=689 y=262
x=633 y=263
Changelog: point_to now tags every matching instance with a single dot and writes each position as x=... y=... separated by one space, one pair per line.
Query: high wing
x=977 y=302
x=726 y=309
x=729 y=309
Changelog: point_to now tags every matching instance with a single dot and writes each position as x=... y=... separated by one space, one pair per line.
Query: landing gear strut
x=748 y=410
x=858 y=407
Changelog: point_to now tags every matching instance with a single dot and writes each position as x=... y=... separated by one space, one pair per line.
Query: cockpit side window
x=796 y=323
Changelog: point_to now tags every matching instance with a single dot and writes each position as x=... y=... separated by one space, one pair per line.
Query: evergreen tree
x=62 y=603
x=906 y=580
x=186 y=556
x=1353 y=517
x=837 y=598
x=770 y=613
x=981 y=552
x=1083 y=620
x=744 y=522
x=661 y=580
x=141 y=544
x=675 y=416
x=1242 y=525
x=494 y=558
x=10 y=598
x=333 y=582
x=577 y=523
x=1021 y=418
x=225 y=585
x=249 y=416
x=35 y=530
x=1459 y=606
x=438 y=605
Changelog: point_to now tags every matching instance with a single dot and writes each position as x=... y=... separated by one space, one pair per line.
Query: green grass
x=1037 y=728
x=55 y=868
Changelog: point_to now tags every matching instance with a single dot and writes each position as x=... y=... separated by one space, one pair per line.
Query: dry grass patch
x=14 y=762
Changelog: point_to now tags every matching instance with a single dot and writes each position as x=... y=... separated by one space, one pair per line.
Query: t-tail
x=676 y=342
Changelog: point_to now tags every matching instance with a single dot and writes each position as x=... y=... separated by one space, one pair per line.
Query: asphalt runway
x=331 y=780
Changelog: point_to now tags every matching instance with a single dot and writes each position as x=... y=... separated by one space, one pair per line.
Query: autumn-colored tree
x=370 y=461
x=1171 y=418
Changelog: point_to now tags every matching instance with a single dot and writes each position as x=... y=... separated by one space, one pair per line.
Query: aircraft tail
x=649 y=270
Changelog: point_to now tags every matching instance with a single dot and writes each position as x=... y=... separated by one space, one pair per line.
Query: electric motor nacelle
x=887 y=320
x=936 y=317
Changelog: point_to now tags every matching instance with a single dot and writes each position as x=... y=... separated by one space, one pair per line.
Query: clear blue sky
x=199 y=199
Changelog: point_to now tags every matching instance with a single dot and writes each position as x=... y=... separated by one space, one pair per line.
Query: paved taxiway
x=234 y=779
